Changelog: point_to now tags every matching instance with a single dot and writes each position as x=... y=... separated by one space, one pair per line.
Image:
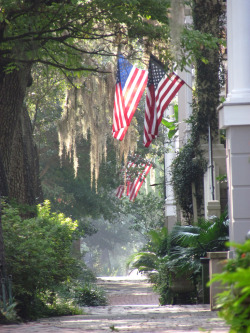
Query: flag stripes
x=137 y=184
x=161 y=89
x=133 y=187
x=150 y=117
x=119 y=191
x=130 y=85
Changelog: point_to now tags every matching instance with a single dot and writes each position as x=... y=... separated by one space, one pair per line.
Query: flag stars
x=124 y=68
x=157 y=73
x=161 y=90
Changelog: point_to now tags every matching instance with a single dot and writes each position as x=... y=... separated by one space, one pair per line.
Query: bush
x=38 y=256
x=62 y=308
x=90 y=295
x=234 y=302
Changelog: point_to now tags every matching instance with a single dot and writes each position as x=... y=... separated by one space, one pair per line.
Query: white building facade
x=234 y=116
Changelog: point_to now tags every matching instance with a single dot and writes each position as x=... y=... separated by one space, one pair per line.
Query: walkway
x=133 y=308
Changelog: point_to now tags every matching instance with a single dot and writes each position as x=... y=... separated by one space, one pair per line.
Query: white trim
x=234 y=114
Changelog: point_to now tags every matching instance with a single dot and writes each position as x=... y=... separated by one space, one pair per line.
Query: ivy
x=208 y=17
x=205 y=41
x=187 y=168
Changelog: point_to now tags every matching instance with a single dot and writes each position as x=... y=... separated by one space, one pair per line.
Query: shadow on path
x=133 y=308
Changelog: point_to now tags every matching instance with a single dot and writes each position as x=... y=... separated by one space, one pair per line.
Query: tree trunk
x=19 y=168
x=2 y=256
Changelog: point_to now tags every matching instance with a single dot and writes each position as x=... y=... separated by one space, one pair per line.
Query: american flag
x=130 y=85
x=119 y=191
x=161 y=89
x=133 y=186
x=137 y=184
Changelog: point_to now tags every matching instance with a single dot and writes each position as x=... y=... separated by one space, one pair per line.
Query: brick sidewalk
x=127 y=314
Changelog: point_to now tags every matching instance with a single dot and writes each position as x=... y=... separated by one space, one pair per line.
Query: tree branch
x=60 y=66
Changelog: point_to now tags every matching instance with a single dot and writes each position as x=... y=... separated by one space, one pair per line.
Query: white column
x=185 y=106
x=235 y=117
x=170 y=204
x=238 y=50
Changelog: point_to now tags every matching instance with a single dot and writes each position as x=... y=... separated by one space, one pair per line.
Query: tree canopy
x=58 y=33
x=73 y=36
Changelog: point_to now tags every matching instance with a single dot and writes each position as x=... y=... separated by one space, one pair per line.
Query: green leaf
x=176 y=112
x=171 y=133
x=168 y=124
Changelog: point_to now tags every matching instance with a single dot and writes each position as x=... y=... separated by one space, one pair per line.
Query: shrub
x=62 y=308
x=38 y=255
x=234 y=302
x=90 y=295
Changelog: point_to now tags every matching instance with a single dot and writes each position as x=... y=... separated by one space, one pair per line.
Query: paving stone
x=133 y=307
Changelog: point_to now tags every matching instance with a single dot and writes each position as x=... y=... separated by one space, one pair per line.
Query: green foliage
x=149 y=259
x=234 y=302
x=193 y=43
x=187 y=168
x=208 y=19
x=47 y=31
x=56 y=304
x=202 y=45
x=146 y=212
x=9 y=315
x=222 y=178
x=192 y=242
x=90 y=295
x=171 y=125
x=175 y=257
x=38 y=254
x=152 y=261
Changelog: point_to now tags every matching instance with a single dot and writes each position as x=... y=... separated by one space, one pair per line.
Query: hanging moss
x=89 y=110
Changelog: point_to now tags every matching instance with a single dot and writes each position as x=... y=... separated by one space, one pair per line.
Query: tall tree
x=56 y=33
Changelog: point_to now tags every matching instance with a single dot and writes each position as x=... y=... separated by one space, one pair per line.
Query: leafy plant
x=148 y=260
x=192 y=242
x=9 y=315
x=175 y=257
x=171 y=125
x=188 y=168
x=61 y=307
x=200 y=46
x=152 y=261
x=234 y=302
x=90 y=295
x=38 y=255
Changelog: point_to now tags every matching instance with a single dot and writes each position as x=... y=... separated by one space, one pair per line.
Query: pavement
x=133 y=307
